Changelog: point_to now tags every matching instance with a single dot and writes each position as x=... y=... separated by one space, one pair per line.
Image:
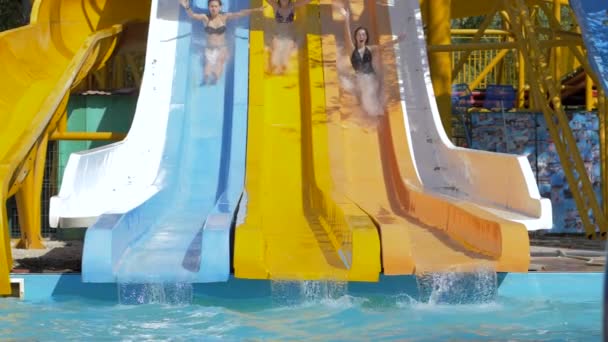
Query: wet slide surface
x=291 y=225
x=182 y=232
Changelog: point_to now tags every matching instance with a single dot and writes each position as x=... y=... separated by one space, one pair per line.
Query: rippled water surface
x=558 y=308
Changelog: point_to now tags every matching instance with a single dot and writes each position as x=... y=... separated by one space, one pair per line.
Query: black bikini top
x=283 y=20
x=363 y=65
x=215 y=30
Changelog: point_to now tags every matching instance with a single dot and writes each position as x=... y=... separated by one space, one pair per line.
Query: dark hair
x=210 y=1
x=366 y=34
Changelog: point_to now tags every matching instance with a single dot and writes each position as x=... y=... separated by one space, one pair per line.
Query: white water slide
x=500 y=183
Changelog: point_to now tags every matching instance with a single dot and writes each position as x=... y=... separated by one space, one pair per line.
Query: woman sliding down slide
x=284 y=40
x=216 y=51
x=366 y=85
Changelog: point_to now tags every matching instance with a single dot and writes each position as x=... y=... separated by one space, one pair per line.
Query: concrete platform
x=549 y=253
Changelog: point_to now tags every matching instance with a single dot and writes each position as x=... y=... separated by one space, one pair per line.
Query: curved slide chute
x=163 y=201
x=39 y=64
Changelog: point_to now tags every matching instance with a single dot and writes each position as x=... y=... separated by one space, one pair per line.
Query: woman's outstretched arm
x=348 y=37
x=243 y=13
x=196 y=16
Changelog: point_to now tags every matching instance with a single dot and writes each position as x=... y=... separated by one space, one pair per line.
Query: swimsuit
x=284 y=20
x=213 y=53
x=215 y=30
x=362 y=65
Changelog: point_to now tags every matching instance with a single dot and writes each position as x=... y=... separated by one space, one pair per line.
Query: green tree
x=11 y=14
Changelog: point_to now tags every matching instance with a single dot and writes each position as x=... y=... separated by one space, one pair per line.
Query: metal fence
x=49 y=188
x=503 y=73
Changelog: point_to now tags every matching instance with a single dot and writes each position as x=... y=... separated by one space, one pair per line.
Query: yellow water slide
x=420 y=231
x=292 y=224
x=39 y=64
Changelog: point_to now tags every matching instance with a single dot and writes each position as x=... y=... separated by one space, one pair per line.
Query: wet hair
x=210 y=1
x=366 y=34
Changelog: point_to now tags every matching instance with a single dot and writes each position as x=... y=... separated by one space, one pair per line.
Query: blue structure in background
x=527 y=134
x=462 y=101
x=499 y=98
x=592 y=17
x=182 y=233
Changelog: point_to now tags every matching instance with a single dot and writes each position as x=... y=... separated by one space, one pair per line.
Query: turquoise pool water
x=548 y=307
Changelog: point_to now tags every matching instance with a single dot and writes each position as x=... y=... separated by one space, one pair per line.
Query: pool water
x=548 y=307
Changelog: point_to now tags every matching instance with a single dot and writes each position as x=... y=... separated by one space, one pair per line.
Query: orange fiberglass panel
x=39 y=63
x=420 y=232
x=292 y=225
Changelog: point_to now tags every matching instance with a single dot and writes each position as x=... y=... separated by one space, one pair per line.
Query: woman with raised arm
x=367 y=85
x=216 y=51
x=284 y=40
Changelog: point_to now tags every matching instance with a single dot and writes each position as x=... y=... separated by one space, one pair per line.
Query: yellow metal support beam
x=480 y=32
x=482 y=75
x=6 y=256
x=471 y=8
x=603 y=118
x=589 y=93
x=469 y=47
x=521 y=83
x=28 y=200
x=492 y=32
x=557 y=55
x=494 y=46
x=91 y=136
x=439 y=33
x=555 y=26
x=557 y=121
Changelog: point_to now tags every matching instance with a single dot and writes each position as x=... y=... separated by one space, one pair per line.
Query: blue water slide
x=182 y=232
x=592 y=17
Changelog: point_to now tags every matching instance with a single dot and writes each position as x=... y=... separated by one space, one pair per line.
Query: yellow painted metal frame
x=556 y=118
x=549 y=67
x=436 y=15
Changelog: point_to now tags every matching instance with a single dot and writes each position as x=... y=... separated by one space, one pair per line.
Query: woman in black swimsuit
x=283 y=42
x=362 y=60
x=216 y=51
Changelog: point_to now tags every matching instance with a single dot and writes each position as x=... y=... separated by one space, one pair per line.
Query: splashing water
x=306 y=292
x=479 y=286
x=167 y=293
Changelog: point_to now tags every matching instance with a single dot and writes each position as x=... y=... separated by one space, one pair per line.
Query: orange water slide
x=421 y=231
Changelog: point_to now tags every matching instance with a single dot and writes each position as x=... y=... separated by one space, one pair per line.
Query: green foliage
x=11 y=14
x=475 y=22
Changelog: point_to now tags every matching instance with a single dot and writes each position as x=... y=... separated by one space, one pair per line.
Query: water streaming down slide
x=438 y=208
x=592 y=17
x=179 y=231
x=292 y=225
